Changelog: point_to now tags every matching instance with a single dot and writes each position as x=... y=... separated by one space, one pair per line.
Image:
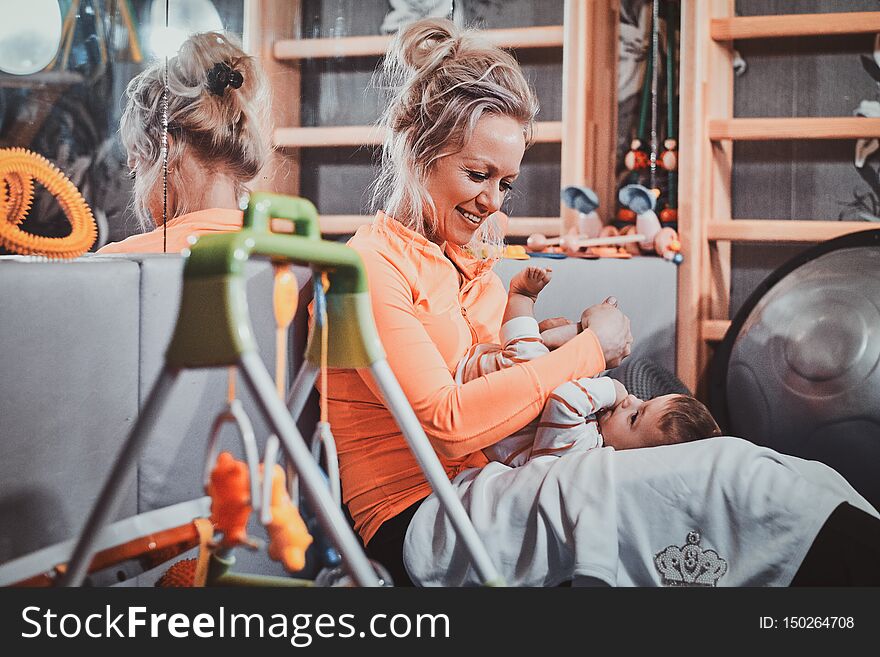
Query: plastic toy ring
x=18 y=168
x=18 y=193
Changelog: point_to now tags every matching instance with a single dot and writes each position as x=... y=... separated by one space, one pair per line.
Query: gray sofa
x=83 y=342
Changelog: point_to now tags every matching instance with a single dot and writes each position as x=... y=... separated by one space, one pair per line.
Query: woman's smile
x=474 y=219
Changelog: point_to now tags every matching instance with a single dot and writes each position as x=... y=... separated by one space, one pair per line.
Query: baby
x=581 y=414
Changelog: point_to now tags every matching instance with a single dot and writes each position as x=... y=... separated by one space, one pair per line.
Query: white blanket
x=720 y=511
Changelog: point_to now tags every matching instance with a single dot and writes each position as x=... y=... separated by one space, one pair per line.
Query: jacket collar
x=469 y=265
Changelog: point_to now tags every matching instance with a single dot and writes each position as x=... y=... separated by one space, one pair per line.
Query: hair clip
x=222 y=76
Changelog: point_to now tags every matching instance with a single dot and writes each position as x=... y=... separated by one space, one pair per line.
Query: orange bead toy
x=627 y=215
x=668 y=215
x=229 y=489
x=288 y=536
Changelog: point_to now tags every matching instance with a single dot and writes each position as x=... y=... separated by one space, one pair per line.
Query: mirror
x=30 y=34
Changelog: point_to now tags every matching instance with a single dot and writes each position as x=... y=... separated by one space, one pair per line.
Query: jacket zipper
x=470 y=326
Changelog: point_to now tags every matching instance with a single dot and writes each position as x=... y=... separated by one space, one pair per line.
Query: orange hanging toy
x=18 y=168
x=288 y=536
x=229 y=489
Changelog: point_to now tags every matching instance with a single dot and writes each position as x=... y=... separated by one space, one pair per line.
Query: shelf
x=368 y=135
x=714 y=330
x=294 y=49
x=791 y=25
x=759 y=230
x=343 y=224
x=770 y=129
x=41 y=79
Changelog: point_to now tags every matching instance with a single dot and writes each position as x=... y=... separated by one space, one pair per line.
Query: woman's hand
x=611 y=327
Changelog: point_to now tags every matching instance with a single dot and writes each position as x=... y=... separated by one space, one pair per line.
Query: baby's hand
x=530 y=281
x=620 y=391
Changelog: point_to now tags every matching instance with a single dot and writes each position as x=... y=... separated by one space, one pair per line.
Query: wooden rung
x=763 y=27
x=713 y=330
x=545 y=36
x=344 y=224
x=759 y=230
x=368 y=135
x=525 y=226
x=769 y=129
x=346 y=135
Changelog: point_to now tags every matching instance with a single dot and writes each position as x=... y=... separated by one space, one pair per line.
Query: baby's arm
x=524 y=289
x=559 y=335
x=522 y=342
x=569 y=418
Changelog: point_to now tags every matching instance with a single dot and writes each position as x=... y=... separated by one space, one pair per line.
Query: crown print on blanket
x=690 y=565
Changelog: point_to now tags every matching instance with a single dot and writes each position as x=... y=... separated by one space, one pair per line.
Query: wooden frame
x=369 y=135
x=589 y=101
x=707 y=135
x=268 y=21
x=547 y=36
x=587 y=131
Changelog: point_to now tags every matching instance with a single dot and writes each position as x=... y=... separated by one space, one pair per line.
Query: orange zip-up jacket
x=214 y=220
x=428 y=315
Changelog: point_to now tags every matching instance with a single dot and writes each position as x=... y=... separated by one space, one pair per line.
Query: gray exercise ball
x=802 y=370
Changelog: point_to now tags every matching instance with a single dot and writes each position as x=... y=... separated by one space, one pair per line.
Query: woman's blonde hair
x=439 y=80
x=226 y=127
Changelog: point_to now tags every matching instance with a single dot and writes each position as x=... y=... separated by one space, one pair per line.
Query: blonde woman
x=458 y=119
x=217 y=141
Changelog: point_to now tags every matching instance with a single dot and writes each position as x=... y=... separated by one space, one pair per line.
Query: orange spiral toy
x=288 y=536
x=19 y=167
x=18 y=193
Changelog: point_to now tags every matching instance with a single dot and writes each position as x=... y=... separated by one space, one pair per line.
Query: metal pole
x=412 y=430
x=301 y=389
x=110 y=496
x=334 y=523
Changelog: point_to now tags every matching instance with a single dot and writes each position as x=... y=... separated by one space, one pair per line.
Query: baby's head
x=665 y=420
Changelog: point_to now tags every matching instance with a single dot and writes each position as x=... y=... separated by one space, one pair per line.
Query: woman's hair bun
x=222 y=75
x=424 y=42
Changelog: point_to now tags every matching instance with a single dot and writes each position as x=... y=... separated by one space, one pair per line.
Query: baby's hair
x=438 y=81
x=218 y=112
x=686 y=419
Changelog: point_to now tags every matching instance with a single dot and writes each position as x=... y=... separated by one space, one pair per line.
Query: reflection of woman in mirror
x=218 y=140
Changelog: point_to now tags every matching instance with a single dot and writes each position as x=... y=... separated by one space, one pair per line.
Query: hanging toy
x=289 y=537
x=234 y=486
x=669 y=156
x=636 y=159
x=668 y=215
x=642 y=202
x=285 y=300
x=229 y=489
x=18 y=168
x=586 y=202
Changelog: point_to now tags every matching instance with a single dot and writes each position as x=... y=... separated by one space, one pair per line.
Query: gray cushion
x=68 y=394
